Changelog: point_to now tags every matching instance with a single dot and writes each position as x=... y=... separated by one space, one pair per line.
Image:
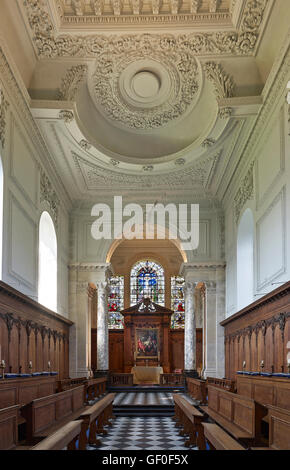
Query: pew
x=117 y=379
x=279 y=429
x=65 y=437
x=197 y=389
x=95 y=388
x=240 y=416
x=227 y=384
x=9 y=427
x=94 y=418
x=190 y=419
x=44 y=415
x=218 y=439
x=66 y=384
x=172 y=379
x=265 y=390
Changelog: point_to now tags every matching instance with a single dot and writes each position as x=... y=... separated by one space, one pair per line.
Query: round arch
x=175 y=241
x=47 y=262
x=245 y=260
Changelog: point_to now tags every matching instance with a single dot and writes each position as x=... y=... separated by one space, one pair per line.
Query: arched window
x=147 y=280
x=245 y=260
x=1 y=215
x=47 y=272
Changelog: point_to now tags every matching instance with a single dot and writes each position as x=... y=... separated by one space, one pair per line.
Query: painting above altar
x=147 y=343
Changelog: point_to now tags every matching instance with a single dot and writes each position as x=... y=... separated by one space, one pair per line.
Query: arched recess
x=47 y=262
x=1 y=216
x=245 y=260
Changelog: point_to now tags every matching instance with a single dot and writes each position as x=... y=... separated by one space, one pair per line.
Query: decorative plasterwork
x=236 y=42
x=48 y=195
x=66 y=115
x=176 y=71
x=79 y=11
x=200 y=175
x=245 y=192
x=3 y=109
x=288 y=102
x=71 y=82
x=222 y=82
x=17 y=92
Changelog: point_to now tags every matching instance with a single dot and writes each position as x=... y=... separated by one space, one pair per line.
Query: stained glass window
x=147 y=280
x=177 y=302
x=116 y=303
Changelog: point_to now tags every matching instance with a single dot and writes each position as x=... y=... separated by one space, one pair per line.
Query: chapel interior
x=128 y=342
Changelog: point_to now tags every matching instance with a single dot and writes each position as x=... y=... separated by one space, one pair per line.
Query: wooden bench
x=218 y=439
x=197 y=389
x=117 y=379
x=190 y=420
x=45 y=415
x=239 y=416
x=65 y=437
x=94 y=418
x=265 y=390
x=172 y=379
x=9 y=427
x=95 y=388
x=279 y=429
x=226 y=384
x=66 y=384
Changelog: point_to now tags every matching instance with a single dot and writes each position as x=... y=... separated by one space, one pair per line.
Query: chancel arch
x=47 y=262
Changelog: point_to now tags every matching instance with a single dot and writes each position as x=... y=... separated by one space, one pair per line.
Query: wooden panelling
x=265 y=390
x=259 y=332
x=23 y=390
x=8 y=427
x=31 y=332
x=176 y=349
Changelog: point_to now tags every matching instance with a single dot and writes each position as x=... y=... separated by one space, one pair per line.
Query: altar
x=146 y=341
x=143 y=375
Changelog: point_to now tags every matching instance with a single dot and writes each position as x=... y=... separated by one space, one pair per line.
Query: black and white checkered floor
x=144 y=399
x=142 y=433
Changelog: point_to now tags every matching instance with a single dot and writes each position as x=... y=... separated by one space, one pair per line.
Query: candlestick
x=2 y=367
x=48 y=365
x=262 y=365
x=244 y=365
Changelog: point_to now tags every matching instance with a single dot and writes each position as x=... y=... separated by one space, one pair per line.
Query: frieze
x=11 y=320
x=262 y=326
x=3 y=109
x=49 y=45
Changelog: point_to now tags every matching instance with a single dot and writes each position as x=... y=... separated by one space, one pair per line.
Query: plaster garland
x=48 y=45
x=3 y=109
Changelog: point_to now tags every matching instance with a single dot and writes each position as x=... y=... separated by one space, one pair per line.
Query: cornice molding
x=3 y=109
x=50 y=45
x=273 y=91
x=18 y=94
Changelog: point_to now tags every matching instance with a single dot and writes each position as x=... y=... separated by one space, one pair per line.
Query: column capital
x=189 y=286
x=197 y=270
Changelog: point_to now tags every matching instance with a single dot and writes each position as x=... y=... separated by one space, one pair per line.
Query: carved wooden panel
x=259 y=332
x=30 y=332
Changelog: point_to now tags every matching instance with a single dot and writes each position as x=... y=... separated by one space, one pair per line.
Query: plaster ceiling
x=161 y=106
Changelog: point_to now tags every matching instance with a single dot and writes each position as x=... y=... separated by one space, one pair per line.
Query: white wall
x=24 y=158
x=270 y=207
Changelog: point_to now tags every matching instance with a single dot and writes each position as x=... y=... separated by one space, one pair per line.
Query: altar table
x=145 y=375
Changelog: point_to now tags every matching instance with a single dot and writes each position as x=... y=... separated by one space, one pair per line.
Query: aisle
x=142 y=433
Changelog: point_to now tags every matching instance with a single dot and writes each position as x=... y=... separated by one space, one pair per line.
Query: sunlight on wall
x=245 y=260
x=47 y=274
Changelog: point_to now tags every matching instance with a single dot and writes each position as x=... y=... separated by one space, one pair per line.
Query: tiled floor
x=144 y=398
x=142 y=433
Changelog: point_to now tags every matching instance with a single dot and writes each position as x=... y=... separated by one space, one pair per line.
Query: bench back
x=9 y=427
x=61 y=438
x=279 y=428
x=197 y=388
x=241 y=411
x=44 y=412
x=92 y=412
x=227 y=384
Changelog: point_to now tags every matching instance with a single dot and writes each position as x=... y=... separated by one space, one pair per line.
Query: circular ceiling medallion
x=145 y=84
